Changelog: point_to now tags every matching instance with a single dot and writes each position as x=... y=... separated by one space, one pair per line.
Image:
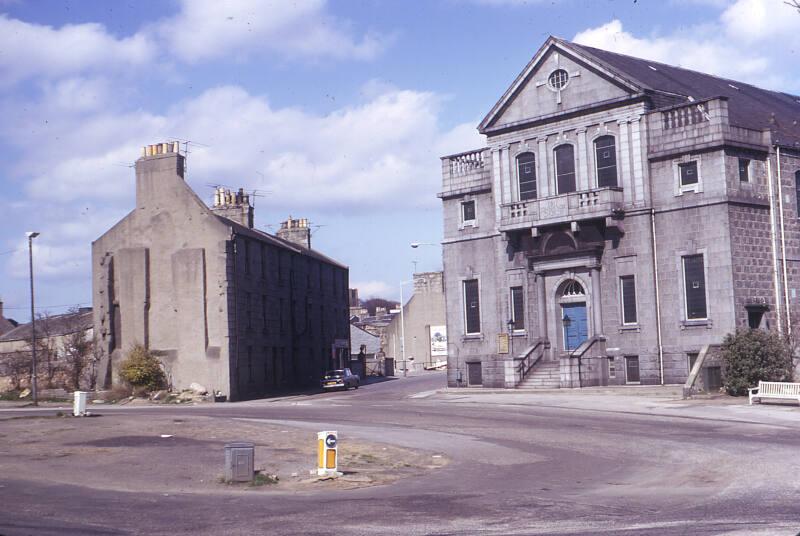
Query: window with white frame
x=526 y=176
x=627 y=298
x=688 y=173
x=472 y=307
x=694 y=283
x=565 y=168
x=468 y=213
x=605 y=161
x=517 y=308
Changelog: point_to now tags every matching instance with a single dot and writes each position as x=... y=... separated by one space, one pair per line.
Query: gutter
x=654 y=244
x=783 y=243
x=773 y=238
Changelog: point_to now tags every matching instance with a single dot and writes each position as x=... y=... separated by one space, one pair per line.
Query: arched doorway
x=572 y=300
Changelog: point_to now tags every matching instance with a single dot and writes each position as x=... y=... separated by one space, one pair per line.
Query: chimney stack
x=234 y=206
x=296 y=231
x=159 y=165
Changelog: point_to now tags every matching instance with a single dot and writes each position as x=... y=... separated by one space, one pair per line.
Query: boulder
x=197 y=389
x=25 y=393
x=158 y=395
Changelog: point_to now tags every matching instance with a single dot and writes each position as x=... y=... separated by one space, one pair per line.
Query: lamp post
x=403 y=329
x=34 y=391
x=510 y=325
x=567 y=321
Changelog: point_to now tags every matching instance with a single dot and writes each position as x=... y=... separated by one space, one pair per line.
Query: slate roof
x=748 y=106
x=53 y=326
x=280 y=242
x=6 y=325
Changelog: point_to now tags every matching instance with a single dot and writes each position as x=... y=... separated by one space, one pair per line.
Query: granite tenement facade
x=624 y=216
x=219 y=302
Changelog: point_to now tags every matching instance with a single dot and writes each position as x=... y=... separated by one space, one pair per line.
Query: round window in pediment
x=558 y=79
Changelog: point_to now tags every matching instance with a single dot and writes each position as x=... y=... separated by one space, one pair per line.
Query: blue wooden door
x=577 y=331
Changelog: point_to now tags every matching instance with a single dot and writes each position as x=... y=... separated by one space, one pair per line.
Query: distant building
x=220 y=303
x=423 y=322
x=624 y=217
x=52 y=332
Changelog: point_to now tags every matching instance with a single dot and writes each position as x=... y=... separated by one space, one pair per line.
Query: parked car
x=340 y=379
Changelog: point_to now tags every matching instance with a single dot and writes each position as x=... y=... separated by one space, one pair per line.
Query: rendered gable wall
x=535 y=98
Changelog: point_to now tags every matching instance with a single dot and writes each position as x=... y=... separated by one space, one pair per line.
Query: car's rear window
x=334 y=374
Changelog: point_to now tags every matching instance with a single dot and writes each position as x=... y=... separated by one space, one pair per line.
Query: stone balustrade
x=574 y=206
x=466 y=172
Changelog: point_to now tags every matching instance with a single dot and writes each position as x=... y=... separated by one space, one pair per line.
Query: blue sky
x=338 y=110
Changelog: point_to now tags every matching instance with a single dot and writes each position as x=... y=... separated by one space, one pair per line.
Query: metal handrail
x=525 y=361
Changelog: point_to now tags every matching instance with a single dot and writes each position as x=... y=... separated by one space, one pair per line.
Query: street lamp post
x=403 y=330
x=34 y=391
x=510 y=325
x=567 y=323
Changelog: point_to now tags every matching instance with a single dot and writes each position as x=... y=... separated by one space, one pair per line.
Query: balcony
x=574 y=206
x=697 y=125
x=466 y=173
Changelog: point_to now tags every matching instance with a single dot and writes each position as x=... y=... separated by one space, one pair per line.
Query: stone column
x=500 y=195
x=543 y=178
x=541 y=305
x=508 y=195
x=597 y=315
x=584 y=179
x=638 y=168
x=624 y=161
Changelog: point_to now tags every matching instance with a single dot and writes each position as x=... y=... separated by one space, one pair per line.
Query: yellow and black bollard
x=327 y=454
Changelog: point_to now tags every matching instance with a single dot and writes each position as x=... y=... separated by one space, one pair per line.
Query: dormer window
x=565 y=168
x=526 y=176
x=606 y=161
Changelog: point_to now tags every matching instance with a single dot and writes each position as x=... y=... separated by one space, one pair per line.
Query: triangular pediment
x=558 y=79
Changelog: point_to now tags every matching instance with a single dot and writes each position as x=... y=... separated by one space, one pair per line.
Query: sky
x=334 y=111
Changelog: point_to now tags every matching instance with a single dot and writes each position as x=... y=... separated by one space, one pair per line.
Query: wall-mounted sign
x=502 y=343
x=438 y=340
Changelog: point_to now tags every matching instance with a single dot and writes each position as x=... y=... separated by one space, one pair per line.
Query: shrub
x=141 y=369
x=750 y=355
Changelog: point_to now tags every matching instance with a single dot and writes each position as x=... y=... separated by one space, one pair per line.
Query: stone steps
x=545 y=375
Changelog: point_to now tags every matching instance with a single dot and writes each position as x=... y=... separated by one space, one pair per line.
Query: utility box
x=327 y=453
x=79 y=403
x=239 y=462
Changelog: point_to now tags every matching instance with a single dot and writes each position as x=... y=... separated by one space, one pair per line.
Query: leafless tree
x=46 y=351
x=16 y=366
x=79 y=359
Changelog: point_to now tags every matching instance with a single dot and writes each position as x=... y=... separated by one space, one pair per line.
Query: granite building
x=219 y=302
x=417 y=339
x=624 y=216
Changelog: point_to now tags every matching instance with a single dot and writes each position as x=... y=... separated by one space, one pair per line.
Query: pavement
x=589 y=461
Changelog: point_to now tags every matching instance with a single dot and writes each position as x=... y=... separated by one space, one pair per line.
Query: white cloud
x=201 y=30
x=755 y=21
x=374 y=289
x=750 y=42
x=28 y=50
x=381 y=153
x=210 y=29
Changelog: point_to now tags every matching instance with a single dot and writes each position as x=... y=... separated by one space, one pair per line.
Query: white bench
x=783 y=390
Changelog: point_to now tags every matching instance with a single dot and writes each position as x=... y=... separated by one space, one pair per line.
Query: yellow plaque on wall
x=502 y=343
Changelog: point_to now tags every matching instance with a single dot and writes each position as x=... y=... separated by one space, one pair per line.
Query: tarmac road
x=523 y=463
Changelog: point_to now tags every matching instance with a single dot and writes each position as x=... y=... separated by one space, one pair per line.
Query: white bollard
x=79 y=405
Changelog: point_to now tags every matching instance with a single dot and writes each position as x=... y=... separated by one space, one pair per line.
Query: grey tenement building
x=624 y=216
x=219 y=302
